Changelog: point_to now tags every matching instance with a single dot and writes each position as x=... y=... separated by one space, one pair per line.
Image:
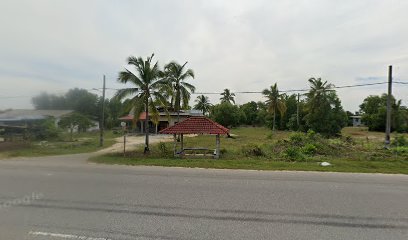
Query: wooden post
x=217 y=144
x=388 y=119
x=156 y=128
x=175 y=144
x=182 y=142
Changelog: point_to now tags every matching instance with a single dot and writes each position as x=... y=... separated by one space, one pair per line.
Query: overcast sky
x=241 y=45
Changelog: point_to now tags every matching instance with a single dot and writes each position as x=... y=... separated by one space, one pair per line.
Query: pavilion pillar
x=175 y=144
x=182 y=142
x=217 y=146
x=156 y=128
x=141 y=126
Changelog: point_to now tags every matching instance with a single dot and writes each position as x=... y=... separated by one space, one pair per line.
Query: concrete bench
x=200 y=150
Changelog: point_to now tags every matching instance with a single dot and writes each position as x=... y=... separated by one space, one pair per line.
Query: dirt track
x=133 y=141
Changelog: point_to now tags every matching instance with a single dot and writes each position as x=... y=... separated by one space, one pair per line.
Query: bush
x=400 y=150
x=163 y=149
x=400 y=141
x=309 y=149
x=252 y=150
x=294 y=154
x=297 y=138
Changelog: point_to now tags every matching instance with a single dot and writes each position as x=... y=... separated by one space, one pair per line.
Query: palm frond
x=128 y=76
x=122 y=93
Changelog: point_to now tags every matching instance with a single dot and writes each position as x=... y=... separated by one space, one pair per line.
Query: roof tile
x=196 y=125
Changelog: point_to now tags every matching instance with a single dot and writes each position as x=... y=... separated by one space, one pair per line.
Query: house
x=27 y=117
x=166 y=119
x=14 y=123
x=356 y=120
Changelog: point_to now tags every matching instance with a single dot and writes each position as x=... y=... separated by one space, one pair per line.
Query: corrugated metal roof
x=31 y=114
x=196 y=125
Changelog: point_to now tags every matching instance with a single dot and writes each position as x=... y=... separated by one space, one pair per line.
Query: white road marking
x=65 y=236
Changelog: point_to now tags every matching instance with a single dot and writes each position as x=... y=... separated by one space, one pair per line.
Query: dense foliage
x=374 y=110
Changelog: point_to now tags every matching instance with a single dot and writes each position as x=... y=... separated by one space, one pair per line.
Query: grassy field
x=82 y=142
x=258 y=148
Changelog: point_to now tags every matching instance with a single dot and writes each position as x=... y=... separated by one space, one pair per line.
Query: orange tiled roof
x=196 y=125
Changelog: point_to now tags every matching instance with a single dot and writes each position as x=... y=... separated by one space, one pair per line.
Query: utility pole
x=297 y=111
x=101 y=127
x=389 y=98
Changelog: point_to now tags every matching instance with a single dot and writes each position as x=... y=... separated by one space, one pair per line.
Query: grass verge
x=83 y=143
x=260 y=149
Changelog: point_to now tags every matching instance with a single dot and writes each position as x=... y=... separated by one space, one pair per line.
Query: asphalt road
x=67 y=198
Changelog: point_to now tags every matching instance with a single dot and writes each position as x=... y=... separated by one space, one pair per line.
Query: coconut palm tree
x=203 y=104
x=180 y=91
x=318 y=91
x=146 y=83
x=274 y=102
x=227 y=96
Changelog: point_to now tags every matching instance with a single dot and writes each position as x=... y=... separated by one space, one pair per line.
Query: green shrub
x=294 y=154
x=309 y=149
x=297 y=138
x=400 y=150
x=163 y=149
x=400 y=141
x=252 y=150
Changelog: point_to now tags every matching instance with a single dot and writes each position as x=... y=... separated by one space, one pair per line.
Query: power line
x=240 y=92
x=305 y=90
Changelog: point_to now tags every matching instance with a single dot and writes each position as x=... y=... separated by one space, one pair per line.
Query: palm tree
x=146 y=84
x=274 y=101
x=318 y=90
x=203 y=104
x=227 y=96
x=180 y=91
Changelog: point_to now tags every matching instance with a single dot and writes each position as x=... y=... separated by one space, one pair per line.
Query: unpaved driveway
x=133 y=141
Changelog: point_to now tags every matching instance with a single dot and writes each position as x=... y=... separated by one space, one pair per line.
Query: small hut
x=196 y=125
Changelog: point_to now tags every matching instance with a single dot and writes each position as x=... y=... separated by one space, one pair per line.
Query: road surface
x=65 y=197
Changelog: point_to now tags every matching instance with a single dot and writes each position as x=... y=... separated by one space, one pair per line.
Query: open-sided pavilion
x=196 y=125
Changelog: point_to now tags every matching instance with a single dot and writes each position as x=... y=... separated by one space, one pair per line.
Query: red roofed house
x=166 y=119
x=196 y=125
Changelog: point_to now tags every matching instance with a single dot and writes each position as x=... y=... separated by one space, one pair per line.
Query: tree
x=374 y=113
x=227 y=96
x=146 y=89
x=49 y=101
x=114 y=110
x=79 y=100
x=203 y=104
x=226 y=114
x=275 y=102
x=324 y=111
x=250 y=110
x=75 y=120
x=82 y=101
x=180 y=90
x=291 y=111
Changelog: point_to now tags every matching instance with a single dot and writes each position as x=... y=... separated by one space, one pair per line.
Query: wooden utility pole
x=297 y=111
x=102 y=123
x=389 y=99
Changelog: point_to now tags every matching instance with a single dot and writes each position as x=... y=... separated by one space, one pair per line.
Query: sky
x=55 y=45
